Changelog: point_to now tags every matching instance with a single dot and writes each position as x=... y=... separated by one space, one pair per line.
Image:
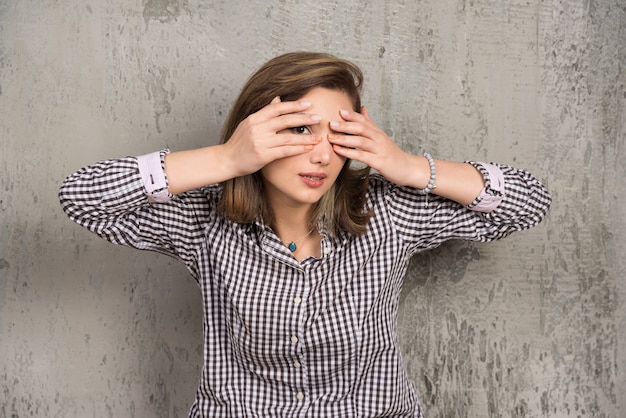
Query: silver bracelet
x=433 y=175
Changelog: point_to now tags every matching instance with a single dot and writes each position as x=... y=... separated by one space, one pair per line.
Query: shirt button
x=296 y=364
x=326 y=250
x=300 y=396
x=294 y=339
x=297 y=300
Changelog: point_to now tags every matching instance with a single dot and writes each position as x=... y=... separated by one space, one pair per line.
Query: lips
x=313 y=179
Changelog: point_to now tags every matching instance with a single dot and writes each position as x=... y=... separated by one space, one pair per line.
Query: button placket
x=296 y=339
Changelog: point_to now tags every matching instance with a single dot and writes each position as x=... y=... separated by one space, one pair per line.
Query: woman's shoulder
x=377 y=180
x=378 y=185
x=203 y=196
x=200 y=204
x=379 y=190
x=383 y=192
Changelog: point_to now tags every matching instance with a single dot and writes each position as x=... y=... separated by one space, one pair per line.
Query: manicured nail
x=317 y=139
x=308 y=147
x=316 y=118
x=334 y=124
x=332 y=137
x=344 y=112
x=305 y=104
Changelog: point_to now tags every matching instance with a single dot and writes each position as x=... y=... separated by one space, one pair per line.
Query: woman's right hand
x=259 y=139
x=265 y=136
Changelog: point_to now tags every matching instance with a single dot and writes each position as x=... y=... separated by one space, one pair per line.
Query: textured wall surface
x=532 y=326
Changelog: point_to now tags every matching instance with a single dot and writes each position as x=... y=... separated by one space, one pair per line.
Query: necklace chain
x=292 y=245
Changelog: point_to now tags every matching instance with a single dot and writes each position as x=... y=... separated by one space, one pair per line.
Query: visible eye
x=301 y=130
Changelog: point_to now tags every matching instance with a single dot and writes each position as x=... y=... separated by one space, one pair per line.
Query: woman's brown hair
x=291 y=76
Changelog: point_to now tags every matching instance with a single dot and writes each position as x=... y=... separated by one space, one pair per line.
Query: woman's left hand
x=366 y=142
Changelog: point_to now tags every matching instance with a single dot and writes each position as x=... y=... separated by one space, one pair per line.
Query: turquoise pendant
x=292 y=246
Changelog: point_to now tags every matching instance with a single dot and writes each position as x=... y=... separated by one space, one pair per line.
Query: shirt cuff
x=492 y=194
x=153 y=176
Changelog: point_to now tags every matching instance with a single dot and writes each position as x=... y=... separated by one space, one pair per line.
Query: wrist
x=420 y=172
x=226 y=162
x=425 y=179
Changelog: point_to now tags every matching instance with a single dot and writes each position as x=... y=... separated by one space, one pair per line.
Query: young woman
x=299 y=255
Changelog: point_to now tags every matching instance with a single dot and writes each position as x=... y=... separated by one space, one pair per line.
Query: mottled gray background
x=532 y=326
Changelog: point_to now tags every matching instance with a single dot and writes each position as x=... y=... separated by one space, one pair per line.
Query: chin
x=309 y=200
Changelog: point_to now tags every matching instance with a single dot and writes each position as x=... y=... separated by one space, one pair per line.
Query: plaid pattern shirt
x=284 y=338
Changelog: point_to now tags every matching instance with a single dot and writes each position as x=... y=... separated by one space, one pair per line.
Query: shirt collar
x=267 y=239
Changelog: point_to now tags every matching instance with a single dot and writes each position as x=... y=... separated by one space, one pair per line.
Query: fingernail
x=334 y=124
x=316 y=118
x=332 y=137
x=317 y=139
x=305 y=104
x=308 y=147
x=344 y=112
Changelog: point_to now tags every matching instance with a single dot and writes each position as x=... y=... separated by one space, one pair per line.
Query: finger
x=353 y=154
x=350 y=128
x=355 y=123
x=292 y=140
x=293 y=120
x=278 y=108
x=352 y=116
x=349 y=141
x=284 y=151
x=365 y=113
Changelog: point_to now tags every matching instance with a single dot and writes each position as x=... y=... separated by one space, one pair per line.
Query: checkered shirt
x=283 y=338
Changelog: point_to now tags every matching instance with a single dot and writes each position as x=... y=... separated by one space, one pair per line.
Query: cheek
x=338 y=164
x=269 y=172
x=339 y=161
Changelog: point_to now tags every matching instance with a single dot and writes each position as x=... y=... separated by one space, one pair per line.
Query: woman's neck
x=291 y=223
x=298 y=235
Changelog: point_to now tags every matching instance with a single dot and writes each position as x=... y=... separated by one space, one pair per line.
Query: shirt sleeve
x=125 y=201
x=512 y=200
x=153 y=176
x=492 y=194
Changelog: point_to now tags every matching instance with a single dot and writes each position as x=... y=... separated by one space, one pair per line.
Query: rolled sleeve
x=492 y=194
x=151 y=169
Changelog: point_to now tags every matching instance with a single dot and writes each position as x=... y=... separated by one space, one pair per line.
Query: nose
x=322 y=152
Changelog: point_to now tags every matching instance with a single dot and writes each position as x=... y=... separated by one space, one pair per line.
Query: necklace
x=292 y=245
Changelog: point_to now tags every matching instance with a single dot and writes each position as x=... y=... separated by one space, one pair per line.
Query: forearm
x=510 y=200
x=457 y=181
x=192 y=169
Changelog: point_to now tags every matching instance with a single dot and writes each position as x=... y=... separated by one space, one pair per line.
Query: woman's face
x=303 y=179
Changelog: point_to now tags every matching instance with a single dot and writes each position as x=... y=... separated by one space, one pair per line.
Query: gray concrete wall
x=532 y=326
